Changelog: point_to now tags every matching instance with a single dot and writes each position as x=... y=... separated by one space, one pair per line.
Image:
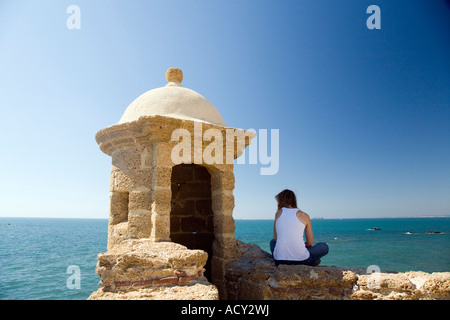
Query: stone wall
x=143 y=269
x=255 y=276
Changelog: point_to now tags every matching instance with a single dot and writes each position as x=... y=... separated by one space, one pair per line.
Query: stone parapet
x=143 y=265
x=254 y=276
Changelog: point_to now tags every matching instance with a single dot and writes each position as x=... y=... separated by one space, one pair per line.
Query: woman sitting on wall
x=289 y=227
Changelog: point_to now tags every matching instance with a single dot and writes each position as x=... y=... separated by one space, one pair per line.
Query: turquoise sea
x=36 y=254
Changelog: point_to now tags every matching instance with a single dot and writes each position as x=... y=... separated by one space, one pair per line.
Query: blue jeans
x=316 y=252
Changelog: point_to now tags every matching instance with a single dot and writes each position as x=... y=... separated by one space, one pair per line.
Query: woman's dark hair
x=286 y=198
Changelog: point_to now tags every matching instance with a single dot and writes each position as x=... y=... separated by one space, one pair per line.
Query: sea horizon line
x=240 y=219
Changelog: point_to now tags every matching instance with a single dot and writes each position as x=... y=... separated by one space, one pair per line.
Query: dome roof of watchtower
x=175 y=101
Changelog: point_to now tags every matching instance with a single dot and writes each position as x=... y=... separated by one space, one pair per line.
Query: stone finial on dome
x=174 y=75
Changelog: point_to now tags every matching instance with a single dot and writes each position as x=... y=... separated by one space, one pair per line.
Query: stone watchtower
x=171 y=226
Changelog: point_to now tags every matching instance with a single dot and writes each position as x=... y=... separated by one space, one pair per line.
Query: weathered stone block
x=225 y=246
x=222 y=180
x=120 y=180
x=140 y=200
x=224 y=225
x=142 y=178
x=139 y=224
x=116 y=234
x=163 y=196
x=162 y=200
x=161 y=226
x=163 y=154
x=222 y=202
x=141 y=263
x=127 y=158
x=163 y=176
x=118 y=207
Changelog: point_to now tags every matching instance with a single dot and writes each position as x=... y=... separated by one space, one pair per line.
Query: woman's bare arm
x=304 y=218
x=277 y=215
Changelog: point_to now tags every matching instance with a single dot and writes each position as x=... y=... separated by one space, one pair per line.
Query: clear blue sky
x=364 y=115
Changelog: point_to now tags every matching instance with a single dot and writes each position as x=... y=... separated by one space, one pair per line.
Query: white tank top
x=290 y=244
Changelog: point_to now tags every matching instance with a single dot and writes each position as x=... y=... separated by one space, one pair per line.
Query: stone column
x=224 y=247
x=139 y=213
x=118 y=217
x=161 y=205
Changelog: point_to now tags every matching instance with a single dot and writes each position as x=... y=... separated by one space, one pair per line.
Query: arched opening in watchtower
x=191 y=216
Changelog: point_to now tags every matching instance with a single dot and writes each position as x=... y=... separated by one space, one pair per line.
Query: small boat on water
x=374 y=228
x=428 y=232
